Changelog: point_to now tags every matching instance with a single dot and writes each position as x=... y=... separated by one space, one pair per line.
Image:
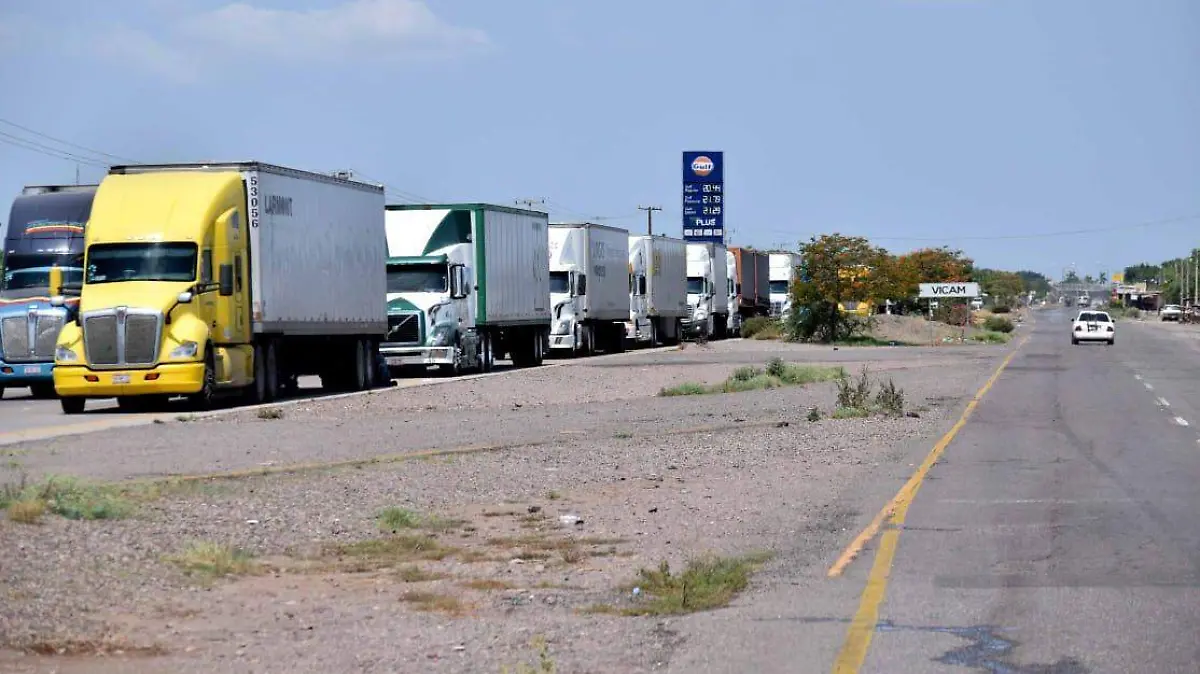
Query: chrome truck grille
x=31 y=336
x=404 y=328
x=121 y=337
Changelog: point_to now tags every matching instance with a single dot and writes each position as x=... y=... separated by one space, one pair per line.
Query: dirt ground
x=910 y=329
x=447 y=556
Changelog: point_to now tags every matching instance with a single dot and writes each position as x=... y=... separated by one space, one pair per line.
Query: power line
x=403 y=195
x=68 y=143
x=32 y=146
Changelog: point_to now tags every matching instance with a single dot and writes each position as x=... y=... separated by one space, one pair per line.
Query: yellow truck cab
x=203 y=279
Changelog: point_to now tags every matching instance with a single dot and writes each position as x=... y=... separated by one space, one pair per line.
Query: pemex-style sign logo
x=702 y=166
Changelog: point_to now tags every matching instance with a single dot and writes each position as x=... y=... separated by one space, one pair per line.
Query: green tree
x=927 y=265
x=1002 y=286
x=837 y=269
x=1034 y=281
x=1137 y=273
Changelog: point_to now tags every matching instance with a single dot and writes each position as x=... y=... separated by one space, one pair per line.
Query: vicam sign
x=933 y=290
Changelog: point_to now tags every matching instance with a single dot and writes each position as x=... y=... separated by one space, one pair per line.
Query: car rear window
x=1094 y=317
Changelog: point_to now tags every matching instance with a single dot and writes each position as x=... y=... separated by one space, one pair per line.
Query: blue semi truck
x=43 y=249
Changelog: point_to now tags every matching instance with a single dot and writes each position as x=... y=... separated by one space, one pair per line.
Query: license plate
x=120 y=379
x=395 y=361
x=32 y=369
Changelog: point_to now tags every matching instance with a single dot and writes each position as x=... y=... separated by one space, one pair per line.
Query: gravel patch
x=659 y=479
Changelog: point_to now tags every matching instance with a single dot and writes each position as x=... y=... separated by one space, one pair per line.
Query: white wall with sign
x=936 y=290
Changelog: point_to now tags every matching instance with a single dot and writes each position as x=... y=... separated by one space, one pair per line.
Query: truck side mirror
x=55 y=281
x=581 y=285
x=225 y=275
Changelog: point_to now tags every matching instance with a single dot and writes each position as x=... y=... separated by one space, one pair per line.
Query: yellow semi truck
x=210 y=279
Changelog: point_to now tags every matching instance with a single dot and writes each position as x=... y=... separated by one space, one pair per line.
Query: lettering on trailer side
x=277 y=205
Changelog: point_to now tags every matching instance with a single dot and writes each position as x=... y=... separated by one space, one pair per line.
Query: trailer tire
x=369 y=363
x=257 y=393
x=72 y=405
x=539 y=348
x=271 y=371
x=359 y=382
x=487 y=357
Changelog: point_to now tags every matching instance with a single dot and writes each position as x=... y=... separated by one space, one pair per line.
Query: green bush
x=998 y=324
x=1001 y=309
x=753 y=326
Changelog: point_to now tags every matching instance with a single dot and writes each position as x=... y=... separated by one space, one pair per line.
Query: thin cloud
x=123 y=44
x=355 y=32
x=360 y=29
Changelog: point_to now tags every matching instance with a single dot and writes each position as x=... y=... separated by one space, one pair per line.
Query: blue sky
x=912 y=122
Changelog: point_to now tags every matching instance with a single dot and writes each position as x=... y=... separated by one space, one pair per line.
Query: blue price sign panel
x=704 y=196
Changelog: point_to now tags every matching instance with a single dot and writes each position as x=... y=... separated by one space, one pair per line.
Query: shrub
x=890 y=399
x=998 y=324
x=955 y=314
x=854 y=394
x=1001 y=309
x=753 y=326
x=776 y=367
x=746 y=373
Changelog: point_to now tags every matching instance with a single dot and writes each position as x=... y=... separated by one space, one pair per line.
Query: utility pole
x=650 y=217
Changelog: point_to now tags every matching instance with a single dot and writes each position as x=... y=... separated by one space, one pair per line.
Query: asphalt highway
x=1057 y=532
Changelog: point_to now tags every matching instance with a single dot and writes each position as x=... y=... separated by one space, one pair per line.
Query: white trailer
x=783 y=272
x=707 y=290
x=589 y=294
x=657 y=290
x=466 y=283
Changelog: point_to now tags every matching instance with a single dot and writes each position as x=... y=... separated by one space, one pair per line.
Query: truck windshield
x=22 y=272
x=560 y=282
x=417 y=278
x=695 y=285
x=113 y=262
x=779 y=287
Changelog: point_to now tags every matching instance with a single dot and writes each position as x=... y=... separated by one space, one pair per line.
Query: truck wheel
x=203 y=399
x=486 y=358
x=271 y=369
x=360 y=367
x=72 y=405
x=539 y=348
x=258 y=390
x=369 y=363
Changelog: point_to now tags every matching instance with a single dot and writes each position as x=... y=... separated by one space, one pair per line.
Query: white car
x=1171 y=312
x=1093 y=326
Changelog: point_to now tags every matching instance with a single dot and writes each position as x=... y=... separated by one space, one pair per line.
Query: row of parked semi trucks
x=206 y=280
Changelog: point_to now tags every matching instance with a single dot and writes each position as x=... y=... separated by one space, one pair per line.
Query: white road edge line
x=1163 y=401
x=1137 y=377
x=1149 y=387
x=1181 y=421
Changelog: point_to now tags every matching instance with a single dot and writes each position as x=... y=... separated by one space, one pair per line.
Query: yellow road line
x=858 y=638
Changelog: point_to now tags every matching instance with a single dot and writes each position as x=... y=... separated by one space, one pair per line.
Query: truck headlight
x=185 y=350
x=701 y=314
x=442 y=335
x=563 y=327
x=64 y=355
